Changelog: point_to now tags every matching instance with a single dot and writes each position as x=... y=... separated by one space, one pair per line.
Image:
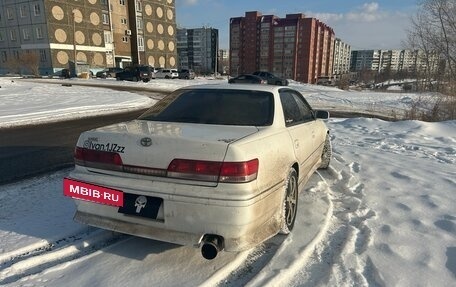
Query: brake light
x=194 y=169
x=232 y=172
x=211 y=171
x=99 y=159
x=239 y=171
x=111 y=161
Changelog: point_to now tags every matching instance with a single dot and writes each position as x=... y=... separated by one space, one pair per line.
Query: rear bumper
x=185 y=220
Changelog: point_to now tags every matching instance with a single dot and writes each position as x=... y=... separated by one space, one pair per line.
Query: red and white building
x=294 y=47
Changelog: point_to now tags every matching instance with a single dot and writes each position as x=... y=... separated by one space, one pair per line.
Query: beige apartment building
x=394 y=60
x=342 y=54
x=94 y=33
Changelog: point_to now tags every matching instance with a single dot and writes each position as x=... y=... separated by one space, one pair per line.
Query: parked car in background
x=108 y=73
x=214 y=166
x=65 y=73
x=167 y=74
x=135 y=73
x=247 y=79
x=153 y=71
x=186 y=74
x=271 y=78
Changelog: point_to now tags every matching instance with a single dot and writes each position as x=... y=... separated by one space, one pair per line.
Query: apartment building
x=394 y=60
x=197 y=49
x=342 y=55
x=294 y=47
x=96 y=33
x=223 y=62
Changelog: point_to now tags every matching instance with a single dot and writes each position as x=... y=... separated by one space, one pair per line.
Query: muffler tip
x=211 y=246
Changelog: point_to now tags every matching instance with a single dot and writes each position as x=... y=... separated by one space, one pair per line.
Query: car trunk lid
x=154 y=145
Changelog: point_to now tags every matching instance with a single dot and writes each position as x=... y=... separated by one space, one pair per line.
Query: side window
x=304 y=108
x=295 y=109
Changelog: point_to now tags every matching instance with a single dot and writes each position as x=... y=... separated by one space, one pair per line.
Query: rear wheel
x=326 y=154
x=290 y=203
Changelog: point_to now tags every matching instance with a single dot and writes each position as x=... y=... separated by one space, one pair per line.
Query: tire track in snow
x=340 y=259
x=277 y=260
x=292 y=254
x=38 y=257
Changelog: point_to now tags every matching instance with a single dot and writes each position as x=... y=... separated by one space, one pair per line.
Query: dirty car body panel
x=210 y=159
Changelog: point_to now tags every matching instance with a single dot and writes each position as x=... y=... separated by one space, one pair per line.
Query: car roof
x=227 y=86
x=249 y=75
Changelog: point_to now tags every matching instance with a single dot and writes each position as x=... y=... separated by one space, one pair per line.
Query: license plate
x=95 y=193
x=140 y=205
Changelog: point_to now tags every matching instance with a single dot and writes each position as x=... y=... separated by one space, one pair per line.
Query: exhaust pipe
x=211 y=245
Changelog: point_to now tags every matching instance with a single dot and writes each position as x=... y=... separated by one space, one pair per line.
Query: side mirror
x=324 y=115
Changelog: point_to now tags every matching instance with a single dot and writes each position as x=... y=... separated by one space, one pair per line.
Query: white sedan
x=216 y=166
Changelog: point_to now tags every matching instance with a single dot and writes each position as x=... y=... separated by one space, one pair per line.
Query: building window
x=23 y=11
x=139 y=23
x=13 y=35
x=105 y=18
x=140 y=43
x=36 y=9
x=1 y=37
x=107 y=37
x=43 y=55
x=125 y=39
x=39 y=33
x=123 y=21
x=26 y=34
x=104 y=2
x=9 y=14
x=138 y=5
x=122 y=2
x=4 y=58
x=16 y=54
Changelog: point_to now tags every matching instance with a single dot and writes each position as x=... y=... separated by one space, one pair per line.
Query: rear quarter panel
x=274 y=151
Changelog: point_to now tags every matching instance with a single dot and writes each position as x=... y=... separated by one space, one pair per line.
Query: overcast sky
x=361 y=24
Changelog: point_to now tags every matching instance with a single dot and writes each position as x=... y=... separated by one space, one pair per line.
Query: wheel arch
x=295 y=166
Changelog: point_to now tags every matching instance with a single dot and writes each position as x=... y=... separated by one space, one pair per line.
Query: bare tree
x=433 y=32
x=13 y=65
x=30 y=61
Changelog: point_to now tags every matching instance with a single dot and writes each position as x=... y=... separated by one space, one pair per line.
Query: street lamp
x=74 y=41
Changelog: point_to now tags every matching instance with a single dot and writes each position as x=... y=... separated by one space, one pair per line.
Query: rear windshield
x=217 y=107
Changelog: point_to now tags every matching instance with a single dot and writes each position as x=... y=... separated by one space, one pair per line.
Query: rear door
x=300 y=123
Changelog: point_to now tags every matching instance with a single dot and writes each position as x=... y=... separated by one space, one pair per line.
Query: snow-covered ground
x=27 y=101
x=382 y=215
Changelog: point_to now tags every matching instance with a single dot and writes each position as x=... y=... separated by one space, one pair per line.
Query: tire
x=290 y=203
x=326 y=154
x=166 y=77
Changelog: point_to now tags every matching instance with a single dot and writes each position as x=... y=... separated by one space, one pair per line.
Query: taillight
x=111 y=161
x=194 y=169
x=210 y=171
x=239 y=171
x=98 y=159
x=232 y=172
